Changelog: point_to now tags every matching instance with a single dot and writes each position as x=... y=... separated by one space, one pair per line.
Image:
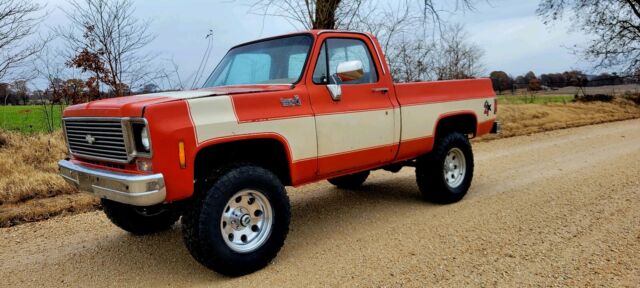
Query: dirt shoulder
x=558 y=208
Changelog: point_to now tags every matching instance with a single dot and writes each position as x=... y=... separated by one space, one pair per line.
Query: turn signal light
x=181 y=155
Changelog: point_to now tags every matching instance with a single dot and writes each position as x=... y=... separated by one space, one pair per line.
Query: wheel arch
x=269 y=150
x=465 y=121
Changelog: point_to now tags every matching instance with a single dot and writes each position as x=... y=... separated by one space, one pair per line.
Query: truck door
x=357 y=130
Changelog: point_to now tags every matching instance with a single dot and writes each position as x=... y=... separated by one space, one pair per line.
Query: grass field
x=537 y=99
x=29 y=118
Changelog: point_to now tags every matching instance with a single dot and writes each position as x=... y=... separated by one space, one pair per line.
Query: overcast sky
x=514 y=39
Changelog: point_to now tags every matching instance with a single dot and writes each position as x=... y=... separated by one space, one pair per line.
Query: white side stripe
x=214 y=117
x=339 y=133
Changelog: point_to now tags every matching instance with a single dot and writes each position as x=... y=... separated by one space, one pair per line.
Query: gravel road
x=560 y=208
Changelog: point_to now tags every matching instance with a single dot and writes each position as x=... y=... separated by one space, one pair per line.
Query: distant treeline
x=505 y=82
x=69 y=91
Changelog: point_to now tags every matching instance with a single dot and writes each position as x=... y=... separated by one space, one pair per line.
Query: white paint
x=339 y=133
x=214 y=117
x=397 y=120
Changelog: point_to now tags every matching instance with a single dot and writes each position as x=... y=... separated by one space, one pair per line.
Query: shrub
x=593 y=98
x=633 y=97
x=3 y=140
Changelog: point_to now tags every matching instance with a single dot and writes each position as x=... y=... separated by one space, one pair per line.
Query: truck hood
x=133 y=106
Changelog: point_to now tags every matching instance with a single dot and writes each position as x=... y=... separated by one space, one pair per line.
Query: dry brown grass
x=534 y=118
x=45 y=208
x=31 y=190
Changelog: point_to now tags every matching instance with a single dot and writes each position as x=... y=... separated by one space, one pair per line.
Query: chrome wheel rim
x=454 y=169
x=246 y=221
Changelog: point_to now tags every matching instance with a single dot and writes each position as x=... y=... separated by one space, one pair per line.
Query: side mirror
x=346 y=71
x=350 y=70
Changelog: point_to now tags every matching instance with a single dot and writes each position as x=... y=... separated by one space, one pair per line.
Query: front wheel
x=238 y=225
x=445 y=174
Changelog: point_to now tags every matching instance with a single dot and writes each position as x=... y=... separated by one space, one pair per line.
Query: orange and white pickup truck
x=276 y=112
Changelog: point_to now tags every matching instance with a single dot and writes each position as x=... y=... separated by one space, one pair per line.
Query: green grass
x=537 y=99
x=30 y=118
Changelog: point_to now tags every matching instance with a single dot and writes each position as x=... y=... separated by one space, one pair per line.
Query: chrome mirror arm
x=335 y=89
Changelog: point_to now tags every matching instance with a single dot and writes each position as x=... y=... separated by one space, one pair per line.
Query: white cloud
x=515 y=39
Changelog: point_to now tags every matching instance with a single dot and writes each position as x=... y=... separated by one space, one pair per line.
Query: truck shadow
x=318 y=212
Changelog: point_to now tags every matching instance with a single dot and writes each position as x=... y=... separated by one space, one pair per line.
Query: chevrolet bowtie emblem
x=90 y=139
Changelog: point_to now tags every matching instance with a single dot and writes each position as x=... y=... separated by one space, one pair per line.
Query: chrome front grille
x=97 y=138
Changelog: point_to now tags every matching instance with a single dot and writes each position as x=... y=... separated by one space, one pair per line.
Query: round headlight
x=144 y=139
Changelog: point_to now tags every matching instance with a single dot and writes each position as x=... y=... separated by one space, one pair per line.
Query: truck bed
x=443 y=91
x=423 y=104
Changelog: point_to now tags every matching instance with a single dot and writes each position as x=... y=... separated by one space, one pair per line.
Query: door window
x=339 y=50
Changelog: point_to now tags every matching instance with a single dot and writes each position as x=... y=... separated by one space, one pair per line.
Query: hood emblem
x=90 y=139
x=289 y=102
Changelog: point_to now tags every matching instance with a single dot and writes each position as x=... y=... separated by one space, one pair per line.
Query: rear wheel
x=240 y=223
x=140 y=220
x=445 y=174
x=350 y=181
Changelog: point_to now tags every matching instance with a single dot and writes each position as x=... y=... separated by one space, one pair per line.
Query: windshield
x=275 y=61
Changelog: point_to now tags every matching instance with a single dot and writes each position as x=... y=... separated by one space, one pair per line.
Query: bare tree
x=19 y=19
x=411 y=60
x=411 y=51
x=318 y=14
x=402 y=28
x=170 y=78
x=108 y=30
x=614 y=23
x=22 y=90
x=457 y=58
x=341 y=14
x=50 y=67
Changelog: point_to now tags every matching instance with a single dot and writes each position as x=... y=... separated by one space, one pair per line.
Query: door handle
x=383 y=90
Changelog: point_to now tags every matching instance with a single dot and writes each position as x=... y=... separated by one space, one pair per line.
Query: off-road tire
x=201 y=219
x=430 y=173
x=350 y=181
x=140 y=220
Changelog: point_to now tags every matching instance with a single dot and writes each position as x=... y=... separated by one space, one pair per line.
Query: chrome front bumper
x=138 y=190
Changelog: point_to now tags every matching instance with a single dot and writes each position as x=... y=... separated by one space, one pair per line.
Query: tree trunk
x=325 y=14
